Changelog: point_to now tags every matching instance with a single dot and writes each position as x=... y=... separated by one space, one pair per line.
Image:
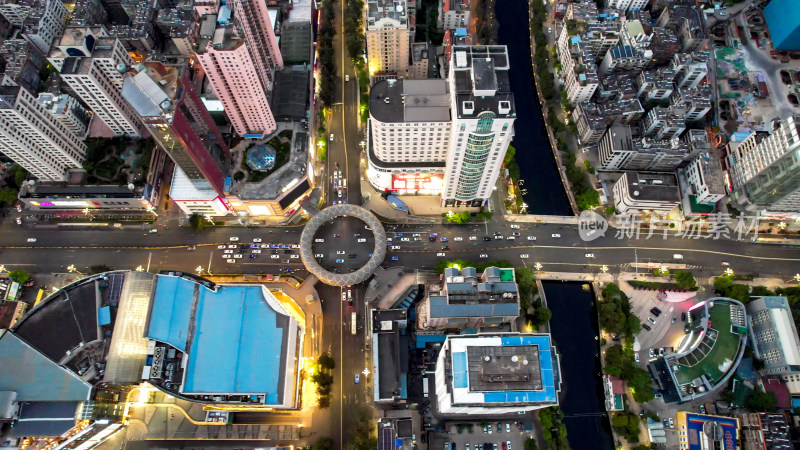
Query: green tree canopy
x=197 y=222
x=760 y=401
x=685 y=280
x=326 y=361
x=20 y=276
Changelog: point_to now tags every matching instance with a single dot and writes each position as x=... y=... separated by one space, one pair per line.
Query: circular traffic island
x=342 y=245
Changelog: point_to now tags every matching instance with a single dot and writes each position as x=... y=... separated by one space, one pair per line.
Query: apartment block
x=664 y=44
x=774 y=336
x=593 y=119
x=664 y=123
x=23 y=61
x=90 y=64
x=166 y=101
x=626 y=5
x=409 y=135
x=483 y=114
x=702 y=184
x=688 y=24
x=689 y=68
x=613 y=87
x=258 y=32
x=68 y=111
x=40 y=21
x=388 y=38
x=766 y=174
x=420 y=57
x=231 y=69
x=634 y=34
x=636 y=192
x=624 y=58
x=620 y=150
x=35 y=139
x=88 y=13
x=453 y=14
x=694 y=103
x=578 y=68
x=655 y=85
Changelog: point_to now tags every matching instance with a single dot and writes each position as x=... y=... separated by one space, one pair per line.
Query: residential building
x=420 y=55
x=693 y=103
x=256 y=27
x=578 y=68
x=206 y=7
x=689 y=69
x=664 y=44
x=626 y=5
x=23 y=61
x=453 y=14
x=483 y=114
x=179 y=26
x=783 y=21
x=615 y=86
x=592 y=119
x=68 y=111
x=390 y=341
x=167 y=103
x=634 y=35
x=711 y=431
x=614 y=389
x=582 y=10
x=466 y=299
x=90 y=64
x=702 y=183
x=35 y=139
x=624 y=58
x=708 y=357
x=620 y=150
x=499 y=373
x=231 y=69
x=88 y=13
x=688 y=23
x=636 y=192
x=453 y=36
x=602 y=32
x=663 y=123
x=774 y=337
x=655 y=85
x=133 y=25
x=765 y=431
x=766 y=174
x=388 y=38
x=41 y=20
x=409 y=135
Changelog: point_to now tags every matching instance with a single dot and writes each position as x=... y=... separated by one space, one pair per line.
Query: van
x=677 y=256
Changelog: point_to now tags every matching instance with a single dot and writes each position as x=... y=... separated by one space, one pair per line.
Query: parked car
x=646 y=327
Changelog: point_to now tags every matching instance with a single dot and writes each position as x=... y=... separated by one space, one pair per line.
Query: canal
x=537 y=166
x=575 y=332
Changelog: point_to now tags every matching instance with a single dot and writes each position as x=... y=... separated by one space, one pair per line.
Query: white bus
x=353 y=322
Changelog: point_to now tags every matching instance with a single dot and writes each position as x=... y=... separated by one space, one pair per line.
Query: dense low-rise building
x=636 y=192
x=496 y=374
x=762 y=431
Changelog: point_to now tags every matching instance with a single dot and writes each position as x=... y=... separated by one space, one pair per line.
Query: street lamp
x=366 y=372
x=3 y=268
x=139 y=269
x=538 y=266
x=796 y=277
x=728 y=272
x=604 y=268
x=71 y=268
x=199 y=269
x=664 y=270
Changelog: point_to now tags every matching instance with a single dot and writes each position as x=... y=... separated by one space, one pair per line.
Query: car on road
x=524 y=256
x=656 y=312
x=294 y=256
x=331 y=136
x=362 y=240
x=253 y=256
x=515 y=227
x=405 y=239
x=725 y=263
x=319 y=240
x=233 y=246
x=347 y=78
x=319 y=255
x=636 y=357
x=237 y=256
x=444 y=239
x=440 y=254
x=230 y=260
x=234 y=239
x=153 y=231
x=356 y=378
x=275 y=256
x=222 y=246
x=671 y=423
x=508 y=428
x=702 y=409
x=516 y=234
x=508 y=444
x=473 y=238
x=19 y=221
x=395 y=247
x=589 y=255
x=458 y=238
x=677 y=256
x=393 y=258
x=340 y=252
x=499 y=237
x=344 y=296
x=256 y=251
x=340 y=260
x=651 y=320
x=555 y=235
x=487 y=238
x=484 y=255
x=257 y=240
x=531 y=238
x=227 y=251
x=673 y=319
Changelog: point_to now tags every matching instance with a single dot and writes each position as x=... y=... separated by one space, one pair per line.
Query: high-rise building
x=166 y=101
x=252 y=18
x=68 y=111
x=626 y=5
x=774 y=336
x=766 y=174
x=453 y=14
x=41 y=20
x=388 y=38
x=231 y=68
x=35 y=139
x=92 y=67
x=483 y=114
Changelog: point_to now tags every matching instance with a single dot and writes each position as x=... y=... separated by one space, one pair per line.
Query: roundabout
x=309 y=235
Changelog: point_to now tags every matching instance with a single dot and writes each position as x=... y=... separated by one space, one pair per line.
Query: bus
x=353 y=323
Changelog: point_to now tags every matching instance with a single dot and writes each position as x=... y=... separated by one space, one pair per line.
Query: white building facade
x=388 y=38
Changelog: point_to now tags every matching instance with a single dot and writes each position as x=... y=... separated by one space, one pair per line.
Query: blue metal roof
x=548 y=393
x=440 y=308
x=783 y=20
x=104 y=315
x=460 y=369
x=171 y=311
x=34 y=377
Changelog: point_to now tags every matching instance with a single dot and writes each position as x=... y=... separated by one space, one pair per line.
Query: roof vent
x=468 y=107
x=505 y=107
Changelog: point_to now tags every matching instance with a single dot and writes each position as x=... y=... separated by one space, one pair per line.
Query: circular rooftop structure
x=330 y=213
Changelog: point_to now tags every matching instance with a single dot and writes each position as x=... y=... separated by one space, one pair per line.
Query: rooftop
x=378 y=11
x=397 y=101
x=481 y=82
x=653 y=187
x=152 y=88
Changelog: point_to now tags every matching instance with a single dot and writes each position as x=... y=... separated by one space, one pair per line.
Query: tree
x=632 y=325
x=542 y=315
x=196 y=222
x=685 y=280
x=587 y=199
x=640 y=384
x=326 y=361
x=620 y=420
x=19 y=174
x=530 y=444
x=611 y=318
x=616 y=361
x=324 y=443
x=610 y=291
x=20 y=276
x=8 y=195
x=723 y=284
x=739 y=292
x=760 y=401
x=760 y=291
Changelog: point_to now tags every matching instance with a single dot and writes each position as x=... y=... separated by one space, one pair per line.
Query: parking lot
x=475 y=438
x=664 y=333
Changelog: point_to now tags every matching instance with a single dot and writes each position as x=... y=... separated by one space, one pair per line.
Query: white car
x=230 y=260
x=555 y=235
x=405 y=239
x=524 y=256
x=222 y=246
x=257 y=240
x=237 y=256
x=340 y=252
x=31 y=239
x=319 y=255
x=395 y=247
x=515 y=227
x=458 y=238
x=257 y=251
x=319 y=240
x=531 y=238
x=294 y=256
x=228 y=252
x=473 y=238
x=636 y=357
x=440 y=254
x=484 y=255
x=362 y=240
x=234 y=239
x=275 y=256
x=233 y=246
x=295 y=246
x=264 y=245
x=589 y=255
x=331 y=136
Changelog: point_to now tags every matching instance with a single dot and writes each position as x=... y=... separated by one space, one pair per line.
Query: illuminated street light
x=664 y=270
x=3 y=268
x=71 y=268
x=538 y=266
x=728 y=272
x=139 y=269
x=366 y=372
x=604 y=268
x=199 y=269
x=796 y=277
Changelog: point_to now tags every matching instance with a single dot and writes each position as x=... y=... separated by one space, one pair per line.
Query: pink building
x=235 y=78
x=259 y=34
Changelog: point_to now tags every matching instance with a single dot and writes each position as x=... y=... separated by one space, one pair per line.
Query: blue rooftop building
x=783 y=21
x=497 y=374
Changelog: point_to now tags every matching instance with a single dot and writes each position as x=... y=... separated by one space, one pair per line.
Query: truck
x=353 y=322
x=425 y=387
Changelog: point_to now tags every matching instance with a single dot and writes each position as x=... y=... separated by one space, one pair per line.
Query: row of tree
x=323 y=379
x=326 y=53
x=486 y=25
x=554 y=432
x=354 y=30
